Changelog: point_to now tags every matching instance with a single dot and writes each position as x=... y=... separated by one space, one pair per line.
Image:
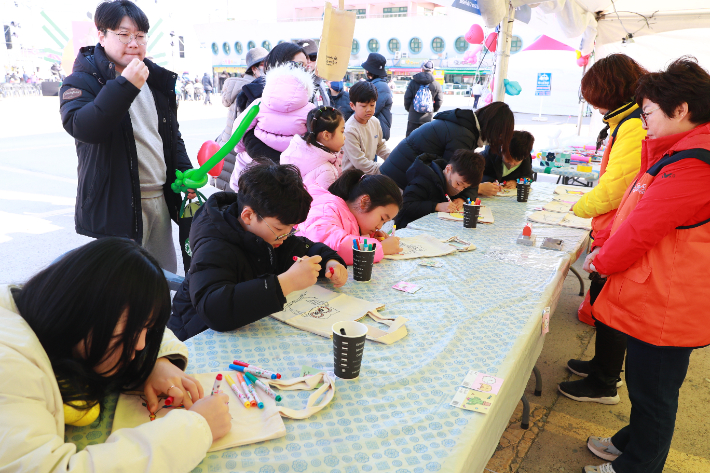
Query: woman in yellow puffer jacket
x=609 y=87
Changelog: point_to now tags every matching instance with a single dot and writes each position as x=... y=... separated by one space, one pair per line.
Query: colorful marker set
x=364 y=246
x=246 y=390
x=478 y=202
x=524 y=180
x=255 y=370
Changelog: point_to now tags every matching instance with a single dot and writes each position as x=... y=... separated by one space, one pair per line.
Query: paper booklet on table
x=572 y=190
x=557 y=206
x=561 y=219
x=316 y=309
x=485 y=215
x=421 y=246
x=570 y=199
x=508 y=192
x=249 y=425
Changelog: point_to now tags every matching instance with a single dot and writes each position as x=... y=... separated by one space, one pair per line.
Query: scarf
x=609 y=115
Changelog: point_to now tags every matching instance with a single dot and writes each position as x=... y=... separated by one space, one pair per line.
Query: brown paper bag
x=336 y=42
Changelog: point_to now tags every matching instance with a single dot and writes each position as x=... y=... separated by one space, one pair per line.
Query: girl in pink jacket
x=354 y=207
x=282 y=114
x=317 y=153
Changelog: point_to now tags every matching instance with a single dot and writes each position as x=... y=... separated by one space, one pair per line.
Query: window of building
x=438 y=44
x=226 y=48
x=356 y=47
x=251 y=45
x=360 y=13
x=238 y=48
x=461 y=44
x=281 y=41
x=215 y=49
x=266 y=45
x=516 y=44
x=393 y=45
x=373 y=45
x=181 y=46
x=394 y=12
x=415 y=45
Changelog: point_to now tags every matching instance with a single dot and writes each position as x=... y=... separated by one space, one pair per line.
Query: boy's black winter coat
x=233 y=275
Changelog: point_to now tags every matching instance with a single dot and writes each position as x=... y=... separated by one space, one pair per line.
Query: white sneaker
x=603 y=448
x=605 y=468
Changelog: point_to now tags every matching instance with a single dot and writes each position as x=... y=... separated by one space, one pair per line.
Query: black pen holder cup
x=470 y=215
x=348 y=348
x=362 y=264
x=523 y=192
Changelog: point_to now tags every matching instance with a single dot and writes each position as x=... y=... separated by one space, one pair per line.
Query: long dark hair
x=321 y=119
x=497 y=124
x=83 y=297
x=282 y=53
x=354 y=183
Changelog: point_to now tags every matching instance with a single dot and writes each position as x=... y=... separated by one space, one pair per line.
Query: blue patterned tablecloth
x=480 y=311
x=568 y=172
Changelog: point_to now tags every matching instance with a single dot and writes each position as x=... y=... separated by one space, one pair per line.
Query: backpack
x=423 y=101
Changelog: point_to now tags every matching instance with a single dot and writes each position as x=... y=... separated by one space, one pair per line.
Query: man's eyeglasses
x=313 y=57
x=644 y=116
x=279 y=237
x=125 y=38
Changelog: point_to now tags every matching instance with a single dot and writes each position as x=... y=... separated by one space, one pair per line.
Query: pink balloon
x=474 y=34
x=466 y=55
x=492 y=42
x=583 y=61
x=473 y=59
x=488 y=99
x=475 y=49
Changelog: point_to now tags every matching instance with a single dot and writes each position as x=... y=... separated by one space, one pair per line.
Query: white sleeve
x=173 y=349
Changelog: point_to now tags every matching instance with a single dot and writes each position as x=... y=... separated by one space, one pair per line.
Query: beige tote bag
x=336 y=42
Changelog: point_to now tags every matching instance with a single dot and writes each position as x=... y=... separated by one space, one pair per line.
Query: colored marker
x=255 y=371
x=265 y=387
x=242 y=398
x=478 y=201
x=394 y=228
x=244 y=363
x=332 y=271
x=217 y=384
x=169 y=400
x=297 y=259
x=447 y=197
x=374 y=245
x=252 y=391
x=365 y=245
x=469 y=201
x=243 y=384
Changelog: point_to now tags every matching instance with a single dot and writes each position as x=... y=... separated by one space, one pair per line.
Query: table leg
x=538 y=381
x=581 y=281
x=525 y=422
x=534 y=176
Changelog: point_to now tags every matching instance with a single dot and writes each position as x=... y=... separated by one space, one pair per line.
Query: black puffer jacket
x=494 y=168
x=250 y=92
x=94 y=107
x=423 y=78
x=426 y=187
x=342 y=103
x=233 y=275
x=449 y=131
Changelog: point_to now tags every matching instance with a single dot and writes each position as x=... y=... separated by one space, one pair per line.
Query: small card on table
x=482 y=382
x=409 y=287
x=473 y=400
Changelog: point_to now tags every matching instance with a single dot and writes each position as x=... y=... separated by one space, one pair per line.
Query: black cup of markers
x=523 y=192
x=470 y=215
x=362 y=264
x=348 y=347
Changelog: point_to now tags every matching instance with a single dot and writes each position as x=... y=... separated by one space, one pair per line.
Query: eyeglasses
x=313 y=57
x=279 y=237
x=141 y=39
x=644 y=116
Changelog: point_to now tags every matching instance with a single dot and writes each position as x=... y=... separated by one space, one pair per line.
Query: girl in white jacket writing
x=90 y=324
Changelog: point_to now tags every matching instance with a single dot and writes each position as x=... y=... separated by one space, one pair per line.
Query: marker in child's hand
x=169 y=400
x=297 y=259
x=332 y=271
x=447 y=197
x=217 y=384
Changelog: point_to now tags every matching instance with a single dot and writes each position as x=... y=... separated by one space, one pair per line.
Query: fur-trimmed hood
x=288 y=88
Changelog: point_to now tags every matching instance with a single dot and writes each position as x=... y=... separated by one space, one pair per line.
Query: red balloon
x=492 y=42
x=474 y=34
x=583 y=61
x=207 y=150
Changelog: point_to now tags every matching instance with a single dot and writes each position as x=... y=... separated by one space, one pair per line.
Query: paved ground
x=38 y=169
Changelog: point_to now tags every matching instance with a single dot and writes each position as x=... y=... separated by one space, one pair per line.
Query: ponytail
x=354 y=183
x=321 y=119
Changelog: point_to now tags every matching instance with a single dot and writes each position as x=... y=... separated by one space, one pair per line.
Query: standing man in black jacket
x=424 y=78
x=207 y=85
x=121 y=110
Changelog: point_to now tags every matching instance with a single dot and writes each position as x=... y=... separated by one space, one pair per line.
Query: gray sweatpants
x=158 y=232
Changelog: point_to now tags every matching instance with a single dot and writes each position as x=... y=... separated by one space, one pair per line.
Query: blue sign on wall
x=544 y=83
x=468 y=5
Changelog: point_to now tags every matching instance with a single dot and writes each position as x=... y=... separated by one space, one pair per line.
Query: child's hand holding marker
x=302 y=274
x=447 y=207
x=168 y=379
x=336 y=272
x=215 y=410
x=390 y=246
x=379 y=235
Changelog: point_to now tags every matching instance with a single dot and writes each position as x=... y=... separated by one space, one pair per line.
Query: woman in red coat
x=656 y=255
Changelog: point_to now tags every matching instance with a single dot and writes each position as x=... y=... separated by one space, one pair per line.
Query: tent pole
x=582 y=102
x=503 y=52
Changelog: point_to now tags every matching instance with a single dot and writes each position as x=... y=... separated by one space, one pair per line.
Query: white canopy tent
x=583 y=24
